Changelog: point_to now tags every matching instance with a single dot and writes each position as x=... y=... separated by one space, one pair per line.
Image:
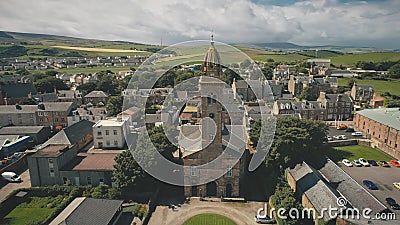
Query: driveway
x=240 y=213
x=6 y=188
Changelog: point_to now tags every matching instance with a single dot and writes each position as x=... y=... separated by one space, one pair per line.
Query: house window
x=52 y=172
x=108 y=143
x=89 y=180
x=46 y=113
x=51 y=163
x=40 y=113
x=107 y=132
x=115 y=132
x=193 y=171
x=101 y=181
x=99 y=133
x=115 y=142
x=63 y=119
x=56 y=119
x=229 y=171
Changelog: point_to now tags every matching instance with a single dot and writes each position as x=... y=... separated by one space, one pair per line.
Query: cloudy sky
x=372 y=23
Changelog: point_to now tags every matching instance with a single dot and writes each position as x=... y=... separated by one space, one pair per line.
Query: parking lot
x=334 y=132
x=383 y=179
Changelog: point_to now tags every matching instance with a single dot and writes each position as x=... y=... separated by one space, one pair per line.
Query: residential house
x=99 y=98
x=70 y=96
x=108 y=134
x=338 y=106
x=93 y=114
x=18 y=115
x=53 y=114
x=312 y=110
x=362 y=93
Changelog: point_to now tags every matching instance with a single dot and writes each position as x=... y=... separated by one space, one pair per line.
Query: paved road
x=382 y=177
x=7 y=188
x=240 y=213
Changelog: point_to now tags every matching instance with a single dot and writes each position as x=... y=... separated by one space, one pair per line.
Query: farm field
x=380 y=86
x=108 y=50
x=352 y=59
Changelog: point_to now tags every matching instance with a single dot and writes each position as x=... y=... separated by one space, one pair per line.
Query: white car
x=356 y=163
x=347 y=163
x=363 y=162
x=11 y=177
x=329 y=138
x=340 y=137
x=356 y=134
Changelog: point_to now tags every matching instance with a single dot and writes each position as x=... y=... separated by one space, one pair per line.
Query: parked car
x=349 y=119
x=383 y=163
x=397 y=185
x=329 y=138
x=349 y=130
x=392 y=203
x=395 y=163
x=372 y=162
x=356 y=134
x=363 y=162
x=370 y=185
x=341 y=127
x=340 y=137
x=347 y=163
x=11 y=177
x=264 y=219
x=356 y=163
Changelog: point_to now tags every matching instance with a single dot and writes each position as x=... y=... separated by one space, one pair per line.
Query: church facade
x=210 y=137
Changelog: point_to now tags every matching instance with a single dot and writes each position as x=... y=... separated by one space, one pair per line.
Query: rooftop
x=109 y=123
x=93 y=161
x=21 y=130
x=18 y=108
x=389 y=116
x=55 y=106
x=97 y=94
x=51 y=151
x=72 y=134
x=87 y=211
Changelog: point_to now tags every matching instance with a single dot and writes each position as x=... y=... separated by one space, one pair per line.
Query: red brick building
x=382 y=127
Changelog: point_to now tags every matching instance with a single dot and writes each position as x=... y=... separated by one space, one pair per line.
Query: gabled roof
x=97 y=94
x=21 y=130
x=389 y=116
x=88 y=211
x=72 y=134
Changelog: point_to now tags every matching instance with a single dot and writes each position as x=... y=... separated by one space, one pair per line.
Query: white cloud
x=307 y=22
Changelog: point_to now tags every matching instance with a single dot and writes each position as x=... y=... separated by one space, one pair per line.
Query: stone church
x=207 y=136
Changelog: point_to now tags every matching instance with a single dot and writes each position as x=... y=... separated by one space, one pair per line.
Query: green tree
x=268 y=72
x=161 y=141
x=114 y=105
x=394 y=71
x=87 y=87
x=127 y=173
x=107 y=83
x=306 y=94
x=47 y=84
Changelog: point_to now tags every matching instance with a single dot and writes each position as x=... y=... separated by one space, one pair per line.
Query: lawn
x=35 y=211
x=380 y=86
x=209 y=219
x=352 y=152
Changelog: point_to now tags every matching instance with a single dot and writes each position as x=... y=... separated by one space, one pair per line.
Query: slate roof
x=389 y=116
x=355 y=194
x=17 y=90
x=88 y=211
x=334 y=97
x=51 y=151
x=21 y=130
x=317 y=191
x=56 y=106
x=18 y=109
x=72 y=134
x=97 y=94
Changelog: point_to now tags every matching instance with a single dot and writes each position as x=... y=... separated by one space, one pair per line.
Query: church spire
x=212 y=38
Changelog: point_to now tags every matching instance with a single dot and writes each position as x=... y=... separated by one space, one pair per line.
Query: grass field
x=352 y=59
x=380 y=86
x=352 y=152
x=35 y=211
x=209 y=219
x=108 y=50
